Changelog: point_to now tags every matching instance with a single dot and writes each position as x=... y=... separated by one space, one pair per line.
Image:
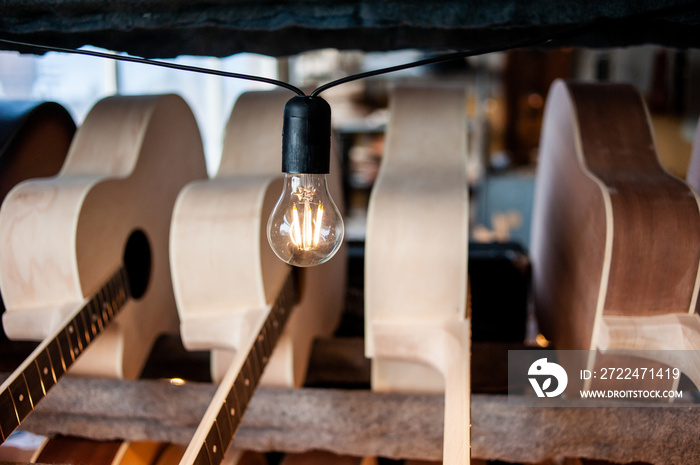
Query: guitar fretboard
x=231 y=410
x=32 y=380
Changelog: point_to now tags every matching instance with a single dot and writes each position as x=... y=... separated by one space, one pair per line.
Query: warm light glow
x=177 y=381
x=318 y=223
x=306 y=234
x=295 y=228
x=305 y=228
x=541 y=341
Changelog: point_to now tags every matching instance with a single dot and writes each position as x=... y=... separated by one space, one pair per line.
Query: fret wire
x=19 y=394
x=243 y=393
x=234 y=408
x=45 y=370
x=268 y=330
x=75 y=337
x=124 y=278
x=8 y=423
x=58 y=366
x=269 y=342
x=260 y=349
x=98 y=307
x=35 y=385
x=109 y=301
x=242 y=396
x=214 y=446
x=223 y=421
x=25 y=388
x=264 y=347
x=63 y=348
x=203 y=456
x=80 y=330
x=248 y=380
x=43 y=367
x=255 y=365
x=113 y=296
x=104 y=306
x=87 y=324
x=69 y=331
x=95 y=315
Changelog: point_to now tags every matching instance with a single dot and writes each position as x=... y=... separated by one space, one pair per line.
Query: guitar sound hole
x=137 y=261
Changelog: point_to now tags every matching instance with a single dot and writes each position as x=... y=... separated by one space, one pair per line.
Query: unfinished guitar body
x=34 y=141
x=416 y=322
x=616 y=239
x=62 y=237
x=225 y=273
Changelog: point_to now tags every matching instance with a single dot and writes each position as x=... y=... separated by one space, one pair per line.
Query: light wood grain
x=614 y=235
x=61 y=237
x=225 y=274
x=673 y=339
x=416 y=327
x=223 y=267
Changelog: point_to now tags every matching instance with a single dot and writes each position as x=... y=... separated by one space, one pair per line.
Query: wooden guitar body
x=34 y=141
x=62 y=237
x=223 y=270
x=416 y=322
x=616 y=239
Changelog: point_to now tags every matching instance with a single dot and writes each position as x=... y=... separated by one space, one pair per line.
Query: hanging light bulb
x=305 y=227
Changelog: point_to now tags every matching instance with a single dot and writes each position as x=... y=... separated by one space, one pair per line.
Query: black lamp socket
x=306 y=136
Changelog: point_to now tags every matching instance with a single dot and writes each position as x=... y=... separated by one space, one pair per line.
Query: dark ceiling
x=167 y=28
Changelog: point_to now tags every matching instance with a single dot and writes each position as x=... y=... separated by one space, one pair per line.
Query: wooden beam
x=360 y=422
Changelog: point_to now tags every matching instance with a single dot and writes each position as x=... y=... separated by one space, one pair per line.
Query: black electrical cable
x=162 y=64
x=430 y=61
x=575 y=31
x=248 y=77
x=542 y=40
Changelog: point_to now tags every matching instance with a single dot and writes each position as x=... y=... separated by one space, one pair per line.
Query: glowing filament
x=296 y=233
x=306 y=233
x=319 y=219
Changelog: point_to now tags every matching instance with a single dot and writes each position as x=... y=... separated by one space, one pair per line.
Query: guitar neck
x=33 y=379
x=225 y=412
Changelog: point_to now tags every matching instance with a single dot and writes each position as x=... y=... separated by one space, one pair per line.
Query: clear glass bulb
x=305 y=227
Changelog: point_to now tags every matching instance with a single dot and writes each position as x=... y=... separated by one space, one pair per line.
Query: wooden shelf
x=360 y=422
